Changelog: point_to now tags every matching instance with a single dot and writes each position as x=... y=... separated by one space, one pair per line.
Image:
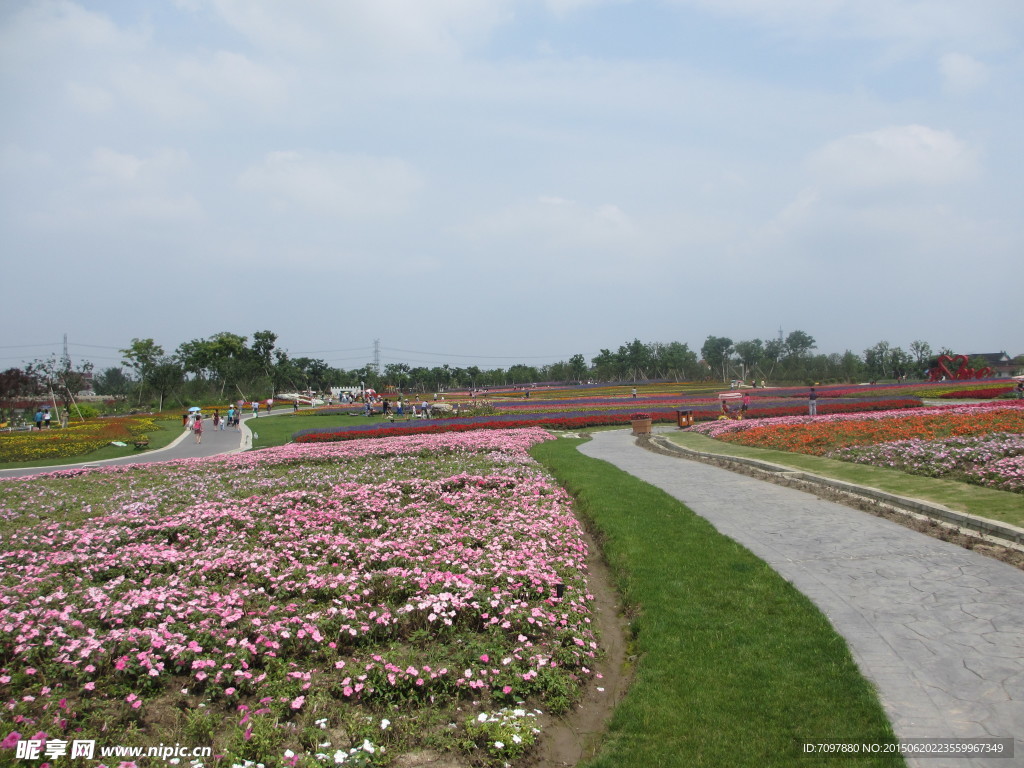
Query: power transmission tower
x=376 y=356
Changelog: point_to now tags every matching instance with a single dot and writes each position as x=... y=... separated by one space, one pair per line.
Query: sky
x=509 y=181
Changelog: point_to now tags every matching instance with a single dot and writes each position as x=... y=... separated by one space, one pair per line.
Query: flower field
x=305 y=605
x=586 y=414
x=983 y=444
x=73 y=440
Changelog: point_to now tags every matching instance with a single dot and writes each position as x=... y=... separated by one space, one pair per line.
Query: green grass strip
x=734 y=666
x=1003 y=506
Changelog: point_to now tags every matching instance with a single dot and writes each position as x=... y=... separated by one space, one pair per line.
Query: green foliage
x=729 y=652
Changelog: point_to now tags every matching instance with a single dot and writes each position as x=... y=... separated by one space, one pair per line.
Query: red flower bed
x=594 y=419
x=978 y=394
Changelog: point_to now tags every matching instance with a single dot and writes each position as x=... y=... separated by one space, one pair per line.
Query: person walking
x=197 y=428
x=46 y=417
x=39 y=419
x=812 y=403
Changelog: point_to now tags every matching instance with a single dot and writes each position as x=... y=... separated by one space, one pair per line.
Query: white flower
x=340 y=757
x=499 y=745
x=517 y=738
x=482 y=717
x=368 y=747
x=384 y=724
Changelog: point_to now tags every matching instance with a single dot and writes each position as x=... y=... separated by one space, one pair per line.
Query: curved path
x=215 y=442
x=938 y=629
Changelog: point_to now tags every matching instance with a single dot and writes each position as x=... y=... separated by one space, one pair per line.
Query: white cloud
x=566 y=7
x=333 y=184
x=121 y=185
x=986 y=22
x=360 y=31
x=897 y=156
x=42 y=29
x=552 y=224
x=962 y=73
x=90 y=98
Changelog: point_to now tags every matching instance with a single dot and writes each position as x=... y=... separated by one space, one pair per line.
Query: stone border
x=1004 y=532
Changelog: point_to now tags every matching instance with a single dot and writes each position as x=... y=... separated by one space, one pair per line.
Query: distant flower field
x=983 y=444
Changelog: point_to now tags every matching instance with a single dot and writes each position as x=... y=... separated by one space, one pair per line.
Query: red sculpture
x=940 y=371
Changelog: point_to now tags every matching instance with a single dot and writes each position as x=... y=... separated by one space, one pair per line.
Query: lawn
x=734 y=666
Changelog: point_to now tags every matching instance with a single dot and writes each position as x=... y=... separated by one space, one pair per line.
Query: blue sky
x=513 y=180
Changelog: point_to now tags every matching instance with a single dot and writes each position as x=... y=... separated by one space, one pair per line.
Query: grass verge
x=735 y=666
x=963 y=497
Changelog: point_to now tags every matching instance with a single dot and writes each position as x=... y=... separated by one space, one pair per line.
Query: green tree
x=798 y=344
x=716 y=351
x=142 y=356
x=577 y=367
x=750 y=354
x=112 y=382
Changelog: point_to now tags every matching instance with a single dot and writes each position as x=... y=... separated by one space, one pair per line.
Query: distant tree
x=876 y=360
x=634 y=359
x=520 y=374
x=675 y=360
x=922 y=352
x=605 y=365
x=165 y=378
x=900 y=362
x=60 y=379
x=716 y=351
x=577 y=367
x=17 y=384
x=143 y=355
x=750 y=354
x=799 y=344
x=112 y=382
x=851 y=366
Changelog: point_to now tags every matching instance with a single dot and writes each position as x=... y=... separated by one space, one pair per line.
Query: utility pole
x=376 y=356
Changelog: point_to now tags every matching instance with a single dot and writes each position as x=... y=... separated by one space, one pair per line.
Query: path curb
x=993 y=528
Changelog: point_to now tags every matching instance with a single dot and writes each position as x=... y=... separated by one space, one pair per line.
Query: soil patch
x=576 y=735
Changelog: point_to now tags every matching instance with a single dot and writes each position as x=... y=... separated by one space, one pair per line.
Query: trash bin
x=684 y=419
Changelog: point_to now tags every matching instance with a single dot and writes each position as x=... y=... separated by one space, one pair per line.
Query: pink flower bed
x=269 y=586
x=717 y=428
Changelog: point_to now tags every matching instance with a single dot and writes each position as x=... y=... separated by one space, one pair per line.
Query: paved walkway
x=215 y=442
x=938 y=629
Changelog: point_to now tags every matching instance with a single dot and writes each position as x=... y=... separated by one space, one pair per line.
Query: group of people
x=194 y=421
x=728 y=413
x=43 y=417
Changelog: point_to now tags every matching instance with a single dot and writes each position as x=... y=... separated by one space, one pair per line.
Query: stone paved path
x=938 y=629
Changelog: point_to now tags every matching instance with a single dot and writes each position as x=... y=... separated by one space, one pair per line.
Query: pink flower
x=10 y=740
x=298 y=701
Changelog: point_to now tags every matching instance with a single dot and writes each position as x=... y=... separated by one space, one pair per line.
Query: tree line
x=228 y=366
